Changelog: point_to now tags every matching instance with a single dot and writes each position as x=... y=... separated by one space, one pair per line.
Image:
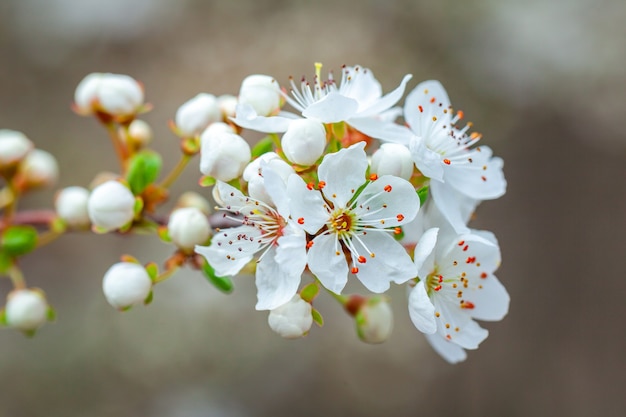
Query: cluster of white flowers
x=346 y=185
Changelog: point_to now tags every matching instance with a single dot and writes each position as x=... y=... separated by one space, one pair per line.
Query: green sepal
x=164 y=234
x=153 y=270
x=3 y=318
x=149 y=298
x=265 y=145
x=5 y=262
x=309 y=292
x=51 y=314
x=130 y=259
x=423 y=194
x=224 y=284
x=338 y=130
x=317 y=317
x=207 y=181
x=18 y=240
x=143 y=170
x=190 y=146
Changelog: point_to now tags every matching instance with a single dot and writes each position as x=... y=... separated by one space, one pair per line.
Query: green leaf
x=309 y=292
x=265 y=145
x=224 y=284
x=206 y=181
x=423 y=194
x=3 y=318
x=51 y=314
x=143 y=170
x=317 y=317
x=5 y=262
x=153 y=270
x=18 y=240
x=149 y=298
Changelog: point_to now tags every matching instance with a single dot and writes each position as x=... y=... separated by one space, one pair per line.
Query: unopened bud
x=392 y=159
x=223 y=156
x=196 y=114
x=71 y=206
x=293 y=319
x=227 y=104
x=374 y=320
x=262 y=92
x=188 y=227
x=253 y=174
x=26 y=310
x=218 y=128
x=304 y=141
x=111 y=205
x=14 y=146
x=139 y=133
x=193 y=199
x=39 y=168
x=113 y=94
x=126 y=284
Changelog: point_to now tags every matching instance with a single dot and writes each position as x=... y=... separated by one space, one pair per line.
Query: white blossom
x=253 y=174
x=304 y=141
x=126 y=284
x=292 y=319
x=197 y=113
x=261 y=93
x=39 y=168
x=111 y=205
x=223 y=155
x=26 y=309
x=188 y=227
x=114 y=94
x=71 y=206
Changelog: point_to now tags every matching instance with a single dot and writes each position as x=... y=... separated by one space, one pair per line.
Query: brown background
x=543 y=81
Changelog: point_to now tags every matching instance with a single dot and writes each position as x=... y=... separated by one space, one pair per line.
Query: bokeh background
x=543 y=81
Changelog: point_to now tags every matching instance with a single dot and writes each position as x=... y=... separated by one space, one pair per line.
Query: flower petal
x=328 y=263
x=387 y=101
x=231 y=249
x=491 y=302
x=424 y=252
x=332 y=108
x=483 y=179
x=456 y=325
x=451 y=352
x=427 y=108
x=421 y=310
x=343 y=172
x=452 y=206
x=246 y=117
x=381 y=129
x=426 y=160
x=387 y=202
x=389 y=262
x=307 y=207
x=233 y=199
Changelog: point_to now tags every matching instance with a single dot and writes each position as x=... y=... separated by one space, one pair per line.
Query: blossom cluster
x=347 y=185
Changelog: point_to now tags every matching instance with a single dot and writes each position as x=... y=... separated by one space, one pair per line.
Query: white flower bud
x=111 y=205
x=114 y=94
x=253 y=174
x=140 y=133
x=71 y=206
x=262 y=92
x=14 y=146
x=223 y=155
x=227 y=104
x=393 y=159
x=374 y=321
x=304 y=141
x=293 y=319
x=39 y=168
x=193 y=199
x=126 y=284
x=218 y=128
x=188 y=227
x=26 y=310
x=196 y=114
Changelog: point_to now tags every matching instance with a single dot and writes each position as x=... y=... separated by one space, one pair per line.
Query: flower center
x=433 y=282
x=342 y=221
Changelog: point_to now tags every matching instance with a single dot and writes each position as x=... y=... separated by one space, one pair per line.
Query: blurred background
x=543 y=81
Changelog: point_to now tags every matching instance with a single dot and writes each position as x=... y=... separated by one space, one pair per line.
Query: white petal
x=389 y=263
x=387 y=202
x=247 y=118
x=343 y=172
x=474 y=255
x=306 y=206
x=421 y=310
x=232 y=199
x=275 y=284
x=427 y=161
x=455 y=209
x=332 y=108
x=231 y=249
x=380 y=129
x=491 y=302
x=276 y=188
x=328 y=263
x=456 y=325
x=449 y=351
x=424 y=252
x=420 y=108
x=387 y=101
x=483 y=179
x=361 y=86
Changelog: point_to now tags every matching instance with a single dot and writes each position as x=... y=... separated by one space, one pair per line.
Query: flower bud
x=71 y=206
x=304 y=141
x=293 y=319
x=39 y=168
x=223 y=155
x=126 y=284
x=218 y=128
x=193 y=199
x=26 y=310
x=14 y=146
x=393 y=159
x=188 y=227
x=227 y=104
x=374 y=320
x=114 y=94
x=262 y=92
x=139 y=133
x=253 y=174
x=111 y=205
x=196 y=114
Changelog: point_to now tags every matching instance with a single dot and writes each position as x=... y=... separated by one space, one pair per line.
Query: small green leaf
x=164 y=234
x=206 y=181
x=51 y=314
x=3 y=318
x=423 y=194
x=153 y=270
x=317 y=317
x=18 y=240
x=224 y=284
x=149 y=298
x=143 y=170
x=309 y=292
x=265 y=145
x=5 y=262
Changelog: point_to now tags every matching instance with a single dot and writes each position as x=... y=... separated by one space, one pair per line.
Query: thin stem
x=47 y=237
x=118 y=146
x=176 y=171
x=341 y=299
x=10 y=208
x=17 y=277
x=165 y=275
